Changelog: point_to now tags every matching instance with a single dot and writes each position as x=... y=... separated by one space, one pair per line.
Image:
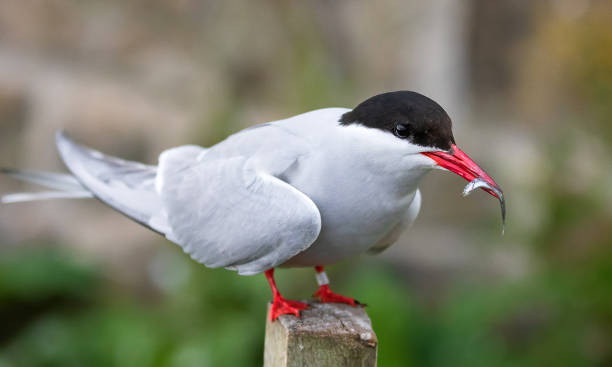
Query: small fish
x=479 y=183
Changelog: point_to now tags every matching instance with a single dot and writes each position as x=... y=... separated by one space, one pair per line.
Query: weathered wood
x=328 y=334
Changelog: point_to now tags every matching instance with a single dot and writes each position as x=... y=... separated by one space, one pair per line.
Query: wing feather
x=226 y=213
x=128 y=187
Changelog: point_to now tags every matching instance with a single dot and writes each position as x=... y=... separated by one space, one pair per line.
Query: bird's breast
x=358 y=209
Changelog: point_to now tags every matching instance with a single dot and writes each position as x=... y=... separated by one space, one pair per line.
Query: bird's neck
x=379 y=158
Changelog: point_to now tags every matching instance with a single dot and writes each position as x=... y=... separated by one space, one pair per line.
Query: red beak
x=458 y=162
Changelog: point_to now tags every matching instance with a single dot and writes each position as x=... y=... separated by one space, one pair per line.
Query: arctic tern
x=306 y=191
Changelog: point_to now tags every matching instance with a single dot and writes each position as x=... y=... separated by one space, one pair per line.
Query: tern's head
x=421 y=127
x=409 y=116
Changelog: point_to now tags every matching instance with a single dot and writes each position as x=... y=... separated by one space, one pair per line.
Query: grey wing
x=128 y=187
x=227 y=213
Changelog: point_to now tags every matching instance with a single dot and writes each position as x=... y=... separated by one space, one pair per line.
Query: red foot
x=327 y=296
x=281 y=306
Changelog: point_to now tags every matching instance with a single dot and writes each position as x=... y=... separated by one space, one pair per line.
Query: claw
x=327 y=296
x=281 y=306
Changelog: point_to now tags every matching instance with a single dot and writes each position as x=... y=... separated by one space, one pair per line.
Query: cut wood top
x=327 y=334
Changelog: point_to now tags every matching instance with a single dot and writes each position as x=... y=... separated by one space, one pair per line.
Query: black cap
x=408 y=115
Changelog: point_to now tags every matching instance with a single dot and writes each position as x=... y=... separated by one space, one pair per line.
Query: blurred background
x=528 y=85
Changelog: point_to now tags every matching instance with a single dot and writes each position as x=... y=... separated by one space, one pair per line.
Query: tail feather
x=128 y=187
x=59 y=181
x=20 y=197
x=68 y=186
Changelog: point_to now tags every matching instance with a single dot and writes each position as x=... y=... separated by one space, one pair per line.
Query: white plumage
x=274 y=194
x=310 y=190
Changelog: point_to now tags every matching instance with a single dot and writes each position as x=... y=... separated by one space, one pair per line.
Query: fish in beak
x=458 y=162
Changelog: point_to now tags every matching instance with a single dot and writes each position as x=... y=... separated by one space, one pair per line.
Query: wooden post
x=328 y=334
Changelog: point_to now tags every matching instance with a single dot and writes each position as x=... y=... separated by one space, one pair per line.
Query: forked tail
x=128 y=187
x=65 y=186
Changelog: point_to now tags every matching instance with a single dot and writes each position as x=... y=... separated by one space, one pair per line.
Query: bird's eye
x=402 y=131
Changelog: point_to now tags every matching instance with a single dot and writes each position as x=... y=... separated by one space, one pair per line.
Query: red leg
x=281 y=306
x=325 y=294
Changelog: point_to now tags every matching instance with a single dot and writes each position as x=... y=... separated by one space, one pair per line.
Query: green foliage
x=216 y=318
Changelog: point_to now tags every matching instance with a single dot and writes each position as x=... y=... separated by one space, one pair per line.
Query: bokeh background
x=527 y=83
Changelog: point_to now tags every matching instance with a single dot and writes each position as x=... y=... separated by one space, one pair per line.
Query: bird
x=306 y=191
